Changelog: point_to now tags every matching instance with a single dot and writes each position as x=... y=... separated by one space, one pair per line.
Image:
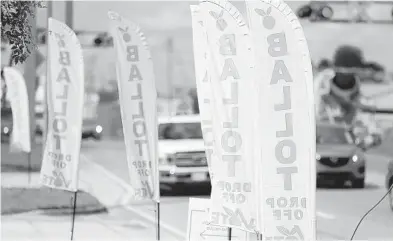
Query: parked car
x=338 y=157
x=6 y=127
x=389 y=183
x=182 y=158
x=90 y=129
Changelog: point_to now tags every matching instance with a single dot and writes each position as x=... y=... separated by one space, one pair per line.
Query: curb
x=68 y=211
x=57 y=212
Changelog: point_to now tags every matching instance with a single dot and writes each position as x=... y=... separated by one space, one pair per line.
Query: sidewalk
x=95 y=227
x=119 y=224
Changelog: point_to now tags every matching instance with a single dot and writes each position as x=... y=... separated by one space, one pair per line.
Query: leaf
x=269 y=10
x=260 y=12
x=16 y=29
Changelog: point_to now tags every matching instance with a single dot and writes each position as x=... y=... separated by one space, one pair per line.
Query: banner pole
x=169 y=69
x=29 y=167
x=30 y=80
x=229 y=234
x=73 y=215
x=158 y=220
x=45 y=85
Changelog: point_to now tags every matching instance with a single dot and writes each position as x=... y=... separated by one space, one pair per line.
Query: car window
x=175 y=131
x=333 y=135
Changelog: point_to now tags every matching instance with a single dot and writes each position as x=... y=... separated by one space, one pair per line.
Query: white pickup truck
x=182 y=158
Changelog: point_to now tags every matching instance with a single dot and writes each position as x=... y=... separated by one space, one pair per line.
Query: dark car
x=6 y=124
x=90 y=128
x=339 y=158
x=389 y=183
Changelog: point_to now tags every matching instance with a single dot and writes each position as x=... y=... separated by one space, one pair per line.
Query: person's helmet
x=346 y=83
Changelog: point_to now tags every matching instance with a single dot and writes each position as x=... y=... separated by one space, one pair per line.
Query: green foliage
x=16 y=28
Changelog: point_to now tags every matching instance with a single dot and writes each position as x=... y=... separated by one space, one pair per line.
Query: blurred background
x=170 y=38
x=354 y=40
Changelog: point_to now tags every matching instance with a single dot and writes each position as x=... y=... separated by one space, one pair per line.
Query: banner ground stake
x=73 y=216
x=29 y=167
x=229 y=234
x=158 y=220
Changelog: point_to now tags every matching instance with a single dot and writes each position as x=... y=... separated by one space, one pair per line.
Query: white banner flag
x=286 y=106
x=17 y=95
x=65 y=95
x=203 y=82
x=230 y=67
x=138 y=102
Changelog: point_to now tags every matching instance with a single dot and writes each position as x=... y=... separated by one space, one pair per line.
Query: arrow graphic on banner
x=204 y=235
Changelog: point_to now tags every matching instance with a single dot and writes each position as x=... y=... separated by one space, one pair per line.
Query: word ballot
x=65 y=92
x=137 y=96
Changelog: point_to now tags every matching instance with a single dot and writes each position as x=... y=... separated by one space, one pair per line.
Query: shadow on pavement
x=186 y=190
x=368 y=186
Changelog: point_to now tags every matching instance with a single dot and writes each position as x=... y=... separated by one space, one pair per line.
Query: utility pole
x=69 y=18
x=169 y=69
x=45 y=100
x=30 y=75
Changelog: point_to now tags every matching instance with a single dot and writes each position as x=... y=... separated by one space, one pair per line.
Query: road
x=338 y=210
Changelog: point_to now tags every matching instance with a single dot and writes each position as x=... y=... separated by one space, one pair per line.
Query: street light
x=315 y=12
x=326 y=12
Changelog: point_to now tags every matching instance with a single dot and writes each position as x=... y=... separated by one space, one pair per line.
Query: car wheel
x=358 y=183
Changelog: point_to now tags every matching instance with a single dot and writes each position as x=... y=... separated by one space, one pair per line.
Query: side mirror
x=325 y=12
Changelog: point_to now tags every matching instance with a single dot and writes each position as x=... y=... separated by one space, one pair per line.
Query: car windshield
x=333 y=135
x=176 y=131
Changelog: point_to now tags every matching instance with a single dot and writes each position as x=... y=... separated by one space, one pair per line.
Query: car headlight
x=6 y=130
x=355 y=158
x=318 y=157
x=98 y=129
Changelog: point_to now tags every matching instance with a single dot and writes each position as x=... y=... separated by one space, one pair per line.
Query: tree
x=16 y=28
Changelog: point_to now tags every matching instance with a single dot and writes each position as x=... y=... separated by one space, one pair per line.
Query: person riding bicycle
x=337 y=87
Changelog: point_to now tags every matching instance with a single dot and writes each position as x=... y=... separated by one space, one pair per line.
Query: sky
x=163 y=20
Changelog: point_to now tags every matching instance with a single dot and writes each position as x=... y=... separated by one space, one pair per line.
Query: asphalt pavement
x=338 y=209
